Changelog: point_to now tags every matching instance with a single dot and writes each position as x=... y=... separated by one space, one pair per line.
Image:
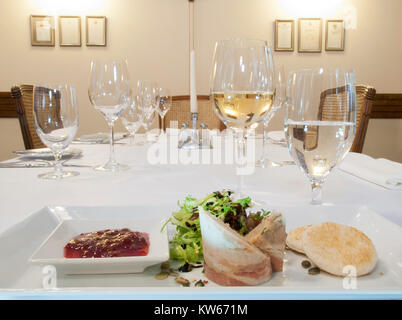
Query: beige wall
x=153 y=34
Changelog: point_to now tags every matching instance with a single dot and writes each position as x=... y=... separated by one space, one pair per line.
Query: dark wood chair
x=180 y=112
x=364 y=100
x=23 y=99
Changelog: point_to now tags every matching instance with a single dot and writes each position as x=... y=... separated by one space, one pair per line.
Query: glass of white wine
x=320 y=121
x=242 y=90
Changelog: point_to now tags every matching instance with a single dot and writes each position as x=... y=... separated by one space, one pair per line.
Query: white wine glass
x=110 y=92
x=55 y=112
x=165 y=102
x=242 y=90
x=320 y=121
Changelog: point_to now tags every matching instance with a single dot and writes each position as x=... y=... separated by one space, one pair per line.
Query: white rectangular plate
x=83 y=220
x=18 y=277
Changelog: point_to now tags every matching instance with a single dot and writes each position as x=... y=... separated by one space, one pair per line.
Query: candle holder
x=194 y=141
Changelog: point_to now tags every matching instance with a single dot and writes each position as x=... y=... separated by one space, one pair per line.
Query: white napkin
x=383 y=172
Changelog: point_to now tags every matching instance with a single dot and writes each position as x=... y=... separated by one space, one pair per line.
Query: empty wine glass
x=280 y=97
x=148 y=100
x=320 y=121
x=165 y=102
x=109 y=92
x=55 y=113
x=132 y=118
x=242 y=89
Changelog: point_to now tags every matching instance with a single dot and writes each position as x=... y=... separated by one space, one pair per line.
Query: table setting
x=195 y=213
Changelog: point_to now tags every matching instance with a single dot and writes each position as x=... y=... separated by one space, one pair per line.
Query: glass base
x=58 y=175
x=112 y=167
x=266 y=163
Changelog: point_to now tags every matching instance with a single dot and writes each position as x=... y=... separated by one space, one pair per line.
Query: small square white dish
x=82 y=220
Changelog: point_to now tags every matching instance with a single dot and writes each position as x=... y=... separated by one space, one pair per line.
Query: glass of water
x=320 y=121
x=55 y=112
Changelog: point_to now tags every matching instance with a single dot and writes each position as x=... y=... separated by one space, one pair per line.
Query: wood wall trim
x=387 y=106
x=7 y=106
x=199 y=97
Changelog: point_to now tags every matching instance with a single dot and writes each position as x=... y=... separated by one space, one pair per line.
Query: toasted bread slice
x=294 y=238
x=332 y=247
x=229 y=258
x=270 y=237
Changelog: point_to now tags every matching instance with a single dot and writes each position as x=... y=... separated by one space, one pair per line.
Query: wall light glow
x=310 y=8
x=71 y=7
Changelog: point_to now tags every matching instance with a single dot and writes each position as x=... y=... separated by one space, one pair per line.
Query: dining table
x=148 y=182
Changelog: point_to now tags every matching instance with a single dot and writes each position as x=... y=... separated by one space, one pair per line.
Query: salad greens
x=187 y=242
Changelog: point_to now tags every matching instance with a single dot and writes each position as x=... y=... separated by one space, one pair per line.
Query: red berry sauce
x=108 y=243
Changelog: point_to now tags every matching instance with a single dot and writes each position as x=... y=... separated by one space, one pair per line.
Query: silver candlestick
x=194 y=141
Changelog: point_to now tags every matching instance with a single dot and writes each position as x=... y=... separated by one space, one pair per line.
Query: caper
x=165 y=266
x=306 y=264
x=314 y=271
x=183 y=281
x=199 y=283
x=162 y=275
x=187 y=267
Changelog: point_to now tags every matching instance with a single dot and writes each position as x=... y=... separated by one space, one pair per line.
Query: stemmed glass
x=320 y=121
x=165 y=102
x=55 y=113
x=242 y=90
x=132 y=118
x=148 y=100
x=280 y=97
x=109 y=92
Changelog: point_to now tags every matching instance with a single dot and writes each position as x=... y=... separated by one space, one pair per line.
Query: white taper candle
x=193 y=90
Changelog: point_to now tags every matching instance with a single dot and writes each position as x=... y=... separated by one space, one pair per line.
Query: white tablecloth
x=22 y=192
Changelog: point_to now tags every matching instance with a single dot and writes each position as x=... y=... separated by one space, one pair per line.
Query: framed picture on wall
x=310 y=35
x=96 y=31
x=42 y=31
x=70 y=31
x=284 y=35
x=334 y=35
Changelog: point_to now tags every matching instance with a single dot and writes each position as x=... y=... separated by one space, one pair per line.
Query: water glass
x=55 y=111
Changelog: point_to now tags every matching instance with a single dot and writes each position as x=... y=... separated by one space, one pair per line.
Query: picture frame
x=70 y=31
x=96 y=31
x=310 y=35
x=284 y=35
x=42 y=30
x=334 y=35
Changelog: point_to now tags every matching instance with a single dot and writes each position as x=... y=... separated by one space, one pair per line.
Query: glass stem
x=242 y=161
x=57 y=164
x=163 y=124
x=316 y=189
x=111 y=154
x=264 y=141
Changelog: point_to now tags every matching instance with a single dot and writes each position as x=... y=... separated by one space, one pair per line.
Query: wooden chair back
x=180 y=112
x=364 y=100
x=23 y=96
x=7 y=106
